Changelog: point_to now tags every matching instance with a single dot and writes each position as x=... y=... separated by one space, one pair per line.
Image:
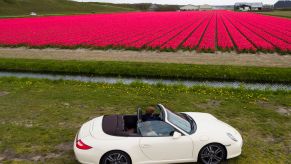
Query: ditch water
x=125 y=80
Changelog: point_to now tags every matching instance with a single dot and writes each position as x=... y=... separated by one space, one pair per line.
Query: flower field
x=202 y=31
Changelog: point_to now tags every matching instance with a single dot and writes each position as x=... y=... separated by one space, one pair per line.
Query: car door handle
x=146 y=146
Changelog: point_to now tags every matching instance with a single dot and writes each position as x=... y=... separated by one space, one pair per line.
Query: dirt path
x=218 y=58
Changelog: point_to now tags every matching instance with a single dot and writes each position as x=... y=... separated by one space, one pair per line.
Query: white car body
x=146 y=150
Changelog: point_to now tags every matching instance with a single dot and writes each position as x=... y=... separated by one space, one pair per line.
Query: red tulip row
x=223 y=39
x=204 y=31
x=194 y=39
x=275 y=26
x=239 y=40
x=167 y=36
x=270 y=38
x=275 y=38
x=208 y=40
x=175 y=42
x=257 y=41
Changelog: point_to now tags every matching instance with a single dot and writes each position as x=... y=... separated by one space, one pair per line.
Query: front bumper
x=234 y=149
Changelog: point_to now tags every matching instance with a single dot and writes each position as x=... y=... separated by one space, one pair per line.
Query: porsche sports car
x=156 y=135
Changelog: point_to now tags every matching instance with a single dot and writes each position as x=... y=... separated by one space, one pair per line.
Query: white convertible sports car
x=157 y=136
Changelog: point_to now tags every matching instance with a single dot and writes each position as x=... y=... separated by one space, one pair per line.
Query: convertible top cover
x=112 y=124
x=115 y=125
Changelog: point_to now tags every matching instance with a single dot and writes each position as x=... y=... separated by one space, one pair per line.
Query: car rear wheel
x=212 y=154
x=116 y=157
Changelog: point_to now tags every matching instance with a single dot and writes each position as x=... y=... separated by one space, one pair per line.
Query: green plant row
x=151 y=70
x=21 y=8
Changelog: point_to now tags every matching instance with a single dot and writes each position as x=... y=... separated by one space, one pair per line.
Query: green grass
x=23 y=8
x=151 y=70
x=39 y=115
x=286 y=14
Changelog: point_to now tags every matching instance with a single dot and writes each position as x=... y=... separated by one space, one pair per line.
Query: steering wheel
x=139 y=114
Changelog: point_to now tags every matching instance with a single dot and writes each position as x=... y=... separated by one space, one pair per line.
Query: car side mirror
x=177 y=135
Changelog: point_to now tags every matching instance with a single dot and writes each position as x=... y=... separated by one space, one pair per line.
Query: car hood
x=206 y=123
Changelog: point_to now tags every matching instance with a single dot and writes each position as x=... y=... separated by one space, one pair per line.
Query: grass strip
x=40 y=118
x=151 y=70
x=10 y=8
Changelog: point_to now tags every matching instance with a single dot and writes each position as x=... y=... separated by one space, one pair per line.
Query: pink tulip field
x=198 y=30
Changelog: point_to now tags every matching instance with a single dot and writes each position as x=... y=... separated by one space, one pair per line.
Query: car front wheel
x=212 y=154
x=116 y=157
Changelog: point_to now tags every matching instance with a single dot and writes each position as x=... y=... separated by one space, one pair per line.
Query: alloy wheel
x=116 y=158
x=212 y=154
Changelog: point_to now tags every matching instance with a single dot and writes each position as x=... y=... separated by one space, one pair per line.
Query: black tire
x=115 y=157
x=212 y=154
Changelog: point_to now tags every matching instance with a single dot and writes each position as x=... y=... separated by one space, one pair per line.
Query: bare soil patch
x=209 y=104
x=10 y=155
x=65 y=146
x=265 y=104
x=185 y=57
x=284 y=111
x=3 y=93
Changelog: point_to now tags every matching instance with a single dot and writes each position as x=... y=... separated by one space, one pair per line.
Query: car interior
x=126 y=125
x=130 y=123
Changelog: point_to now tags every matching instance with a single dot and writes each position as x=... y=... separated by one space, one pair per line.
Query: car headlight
x=231 y=137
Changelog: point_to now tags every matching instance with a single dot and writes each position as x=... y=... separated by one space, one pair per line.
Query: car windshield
x=179 y=121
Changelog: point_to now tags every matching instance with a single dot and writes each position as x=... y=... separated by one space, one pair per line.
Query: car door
x=158 y=143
